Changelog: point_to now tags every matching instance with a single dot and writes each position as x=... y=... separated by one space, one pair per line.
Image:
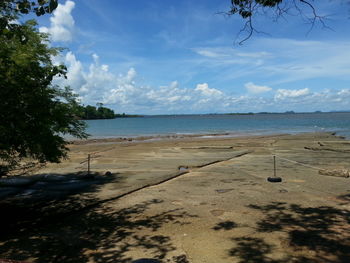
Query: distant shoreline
x=117 y=116
x=245 y=113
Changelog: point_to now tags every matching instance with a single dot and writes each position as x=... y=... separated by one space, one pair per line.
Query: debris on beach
x=335 y=172
x=221 y=191
x=183 y=169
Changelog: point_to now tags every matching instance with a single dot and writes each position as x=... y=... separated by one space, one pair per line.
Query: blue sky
x=166 y=57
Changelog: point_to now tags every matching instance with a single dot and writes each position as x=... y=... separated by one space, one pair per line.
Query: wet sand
x=189 y=199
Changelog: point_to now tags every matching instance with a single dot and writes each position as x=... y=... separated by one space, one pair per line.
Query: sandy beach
x=185 y=199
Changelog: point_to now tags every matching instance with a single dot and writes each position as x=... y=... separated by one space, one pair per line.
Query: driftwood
x=335 y=172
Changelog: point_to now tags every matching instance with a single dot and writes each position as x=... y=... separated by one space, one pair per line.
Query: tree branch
x=249 y=9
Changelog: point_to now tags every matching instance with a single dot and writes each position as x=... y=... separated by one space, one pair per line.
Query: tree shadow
x=344 y=199
x=95 y=234
x=74 y=226
x=322 y=232
x=46 y=200
x=226 y=225
x=252 y=250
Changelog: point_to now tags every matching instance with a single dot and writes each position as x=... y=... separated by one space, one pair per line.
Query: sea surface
x=225 y=125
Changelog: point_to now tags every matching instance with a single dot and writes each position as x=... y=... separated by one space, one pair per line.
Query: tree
x=90 y=112
x=249 y=9
x=11 y=9
x=35 y=114
x=40 y=7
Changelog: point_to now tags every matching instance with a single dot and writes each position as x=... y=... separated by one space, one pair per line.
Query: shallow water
x=231 y=125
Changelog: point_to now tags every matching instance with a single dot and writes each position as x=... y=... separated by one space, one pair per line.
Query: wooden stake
x=274 y=166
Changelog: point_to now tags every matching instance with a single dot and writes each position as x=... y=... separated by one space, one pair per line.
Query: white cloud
x=344 y=92
x=256 y=89
x=105 y=68
x=206 y=91
x=75 y=72
x=229 y=52
x=278 y=60
x=124 y=93
x=283 y=94
x=306 y=59
x=61 y=23
x=261 y=54
x=209 y=53
x=131 y=74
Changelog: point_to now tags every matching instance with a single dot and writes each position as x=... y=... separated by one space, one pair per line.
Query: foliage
x=123 y=115
x=90 y=112
x=34 y=113
x=248 y=9
x=245 y=8
x=40 y=7
x=10 y=10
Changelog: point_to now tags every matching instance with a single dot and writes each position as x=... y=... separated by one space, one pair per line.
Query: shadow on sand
x=315 y=234
x=73 y=229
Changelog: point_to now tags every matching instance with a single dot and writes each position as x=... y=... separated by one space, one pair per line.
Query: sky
x=183 y=57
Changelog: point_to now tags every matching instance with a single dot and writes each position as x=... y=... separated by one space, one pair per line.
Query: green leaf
x=53 y=5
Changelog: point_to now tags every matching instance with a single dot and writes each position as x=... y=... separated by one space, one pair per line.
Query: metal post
x=88 y=164
x=274 y=166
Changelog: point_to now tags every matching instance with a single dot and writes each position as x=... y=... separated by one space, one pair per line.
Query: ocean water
x=229 y=125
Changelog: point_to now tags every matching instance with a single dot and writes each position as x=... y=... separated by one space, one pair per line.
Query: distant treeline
x=264 y=112
x=286 y=112
x=93 y=113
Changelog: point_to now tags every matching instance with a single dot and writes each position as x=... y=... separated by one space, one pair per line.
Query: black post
x=88 y=164
x=274 y=178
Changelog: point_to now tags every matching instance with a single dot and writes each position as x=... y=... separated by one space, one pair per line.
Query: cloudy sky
x=166 y=57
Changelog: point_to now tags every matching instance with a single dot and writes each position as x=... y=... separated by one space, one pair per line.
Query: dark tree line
x=92 y=113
